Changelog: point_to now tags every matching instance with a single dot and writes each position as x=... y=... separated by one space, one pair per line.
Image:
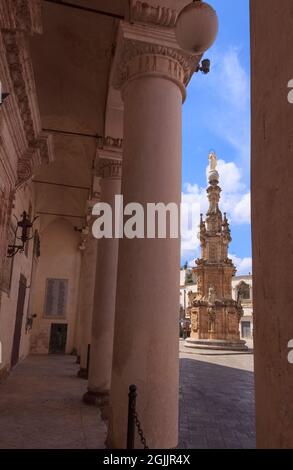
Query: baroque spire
x=215 y=315
x=214 y=234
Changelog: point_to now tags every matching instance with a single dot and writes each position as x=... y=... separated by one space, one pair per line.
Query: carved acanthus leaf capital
x=108 y=162
x=151 y=50
x=110 y=168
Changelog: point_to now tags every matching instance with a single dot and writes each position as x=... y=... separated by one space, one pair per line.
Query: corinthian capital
x=110 y=168
x=108 y=162
x=151 y=50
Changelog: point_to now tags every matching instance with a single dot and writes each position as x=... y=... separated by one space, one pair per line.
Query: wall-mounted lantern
x=29 y=322
x=24 y=225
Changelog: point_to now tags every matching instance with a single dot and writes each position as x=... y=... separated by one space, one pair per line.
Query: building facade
x=244 y=285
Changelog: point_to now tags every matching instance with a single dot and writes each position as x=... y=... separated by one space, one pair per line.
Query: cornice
x=142 y=12
x=34 y=147
x=21 y=15
x=111 y=143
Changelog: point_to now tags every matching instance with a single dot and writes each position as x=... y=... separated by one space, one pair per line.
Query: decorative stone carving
x=108 y=162
x=194 y=321
x=145 y=13
x=23 y=144
x=211 y=317
x=39 y=144
x=111 y=142
x=212 y=296
x=150 y=50
x=213 y=175
x=21 y=15
x=6 y=205
x=110 y=168
x=213 y=161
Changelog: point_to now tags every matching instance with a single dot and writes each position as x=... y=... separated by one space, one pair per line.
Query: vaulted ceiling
x=71 y=62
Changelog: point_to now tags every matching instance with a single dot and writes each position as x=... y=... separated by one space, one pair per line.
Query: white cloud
x=230 y=177
x=233 y=79
x=241 y=212
x=243 y=265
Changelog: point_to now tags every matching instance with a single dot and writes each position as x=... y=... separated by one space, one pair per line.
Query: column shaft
x=87 y=285
x=104 y=297
x=147 y=312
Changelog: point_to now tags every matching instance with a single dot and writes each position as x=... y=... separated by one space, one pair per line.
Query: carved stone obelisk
x=215 y=316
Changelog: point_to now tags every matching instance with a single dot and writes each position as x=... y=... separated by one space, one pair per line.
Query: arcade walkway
x=41 y=407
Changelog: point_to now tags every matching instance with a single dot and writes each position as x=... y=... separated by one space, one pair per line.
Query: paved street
x=41 y=407
x=216 y=400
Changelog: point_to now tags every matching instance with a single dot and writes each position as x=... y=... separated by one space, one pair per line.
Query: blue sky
x=216 y=115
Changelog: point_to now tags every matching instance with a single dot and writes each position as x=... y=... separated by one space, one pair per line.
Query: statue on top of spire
x=213 y=174
x=213 y=160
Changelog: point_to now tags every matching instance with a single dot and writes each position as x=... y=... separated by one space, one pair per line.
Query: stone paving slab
x=216 y=400
x=41 y=407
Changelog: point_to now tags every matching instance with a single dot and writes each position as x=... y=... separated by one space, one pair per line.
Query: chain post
x=133 y=421
x=131 y=417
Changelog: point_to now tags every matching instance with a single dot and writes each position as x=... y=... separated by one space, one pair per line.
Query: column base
x=96 y=398
x=100 y=400
x=83 y=373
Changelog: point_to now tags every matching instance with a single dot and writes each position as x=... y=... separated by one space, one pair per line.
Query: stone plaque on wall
x=56 y=297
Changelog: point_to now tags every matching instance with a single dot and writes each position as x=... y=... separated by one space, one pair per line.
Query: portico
x=94 y=110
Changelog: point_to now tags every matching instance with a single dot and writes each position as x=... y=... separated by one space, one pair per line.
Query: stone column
x=104 y=298
x=152 y=73
x=272 y=220
x=87 y=285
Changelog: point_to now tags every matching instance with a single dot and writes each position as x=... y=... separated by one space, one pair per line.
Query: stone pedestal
x=216 y=344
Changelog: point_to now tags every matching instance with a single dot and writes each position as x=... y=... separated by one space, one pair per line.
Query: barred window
x=56 y=297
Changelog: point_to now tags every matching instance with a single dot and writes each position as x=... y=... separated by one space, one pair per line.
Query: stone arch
x=243 y=290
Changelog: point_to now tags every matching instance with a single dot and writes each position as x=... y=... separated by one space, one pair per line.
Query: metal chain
x=140 y=431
